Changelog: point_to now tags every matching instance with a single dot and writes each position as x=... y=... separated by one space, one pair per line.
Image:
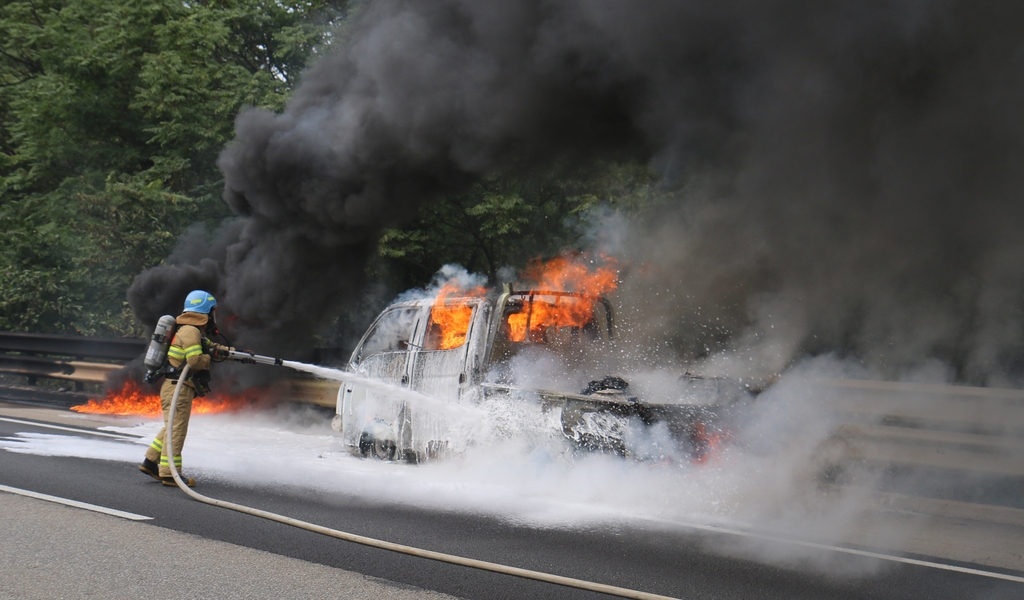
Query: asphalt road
x=679 y=563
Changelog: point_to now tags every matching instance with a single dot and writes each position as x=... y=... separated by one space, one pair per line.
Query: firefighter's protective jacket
x=190 y=344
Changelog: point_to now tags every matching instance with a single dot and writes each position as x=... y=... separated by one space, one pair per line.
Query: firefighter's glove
x=219 y=352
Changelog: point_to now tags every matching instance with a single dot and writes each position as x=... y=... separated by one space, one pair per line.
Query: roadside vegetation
x=113 y=113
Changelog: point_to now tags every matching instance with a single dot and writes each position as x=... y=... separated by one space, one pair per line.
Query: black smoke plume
x=847 y=172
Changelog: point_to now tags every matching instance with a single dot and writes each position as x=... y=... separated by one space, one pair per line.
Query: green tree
x=508 y=220
x=112 y=114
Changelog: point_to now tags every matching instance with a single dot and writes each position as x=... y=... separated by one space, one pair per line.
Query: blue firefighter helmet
x=199 y=301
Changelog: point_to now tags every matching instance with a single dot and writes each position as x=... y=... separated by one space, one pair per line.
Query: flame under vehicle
x=470 y=351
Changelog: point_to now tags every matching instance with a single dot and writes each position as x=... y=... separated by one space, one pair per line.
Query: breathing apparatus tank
x=156 y=354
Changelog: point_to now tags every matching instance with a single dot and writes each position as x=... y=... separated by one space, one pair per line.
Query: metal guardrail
x=119 y=349
x=35 y=355
x=950 y=427
x=77 y=371
x=984 y=410
x=314 y=391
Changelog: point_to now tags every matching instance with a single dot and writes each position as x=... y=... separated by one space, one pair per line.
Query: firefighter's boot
x=170 y=481
x=150 y=468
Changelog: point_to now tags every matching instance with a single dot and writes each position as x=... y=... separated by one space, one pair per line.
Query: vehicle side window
x=391 y=333
x=547 y=320
x=448 y=326
x=562 y=324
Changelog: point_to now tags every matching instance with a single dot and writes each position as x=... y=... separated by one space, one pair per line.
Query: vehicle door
x=455 y=335
x=383 y=354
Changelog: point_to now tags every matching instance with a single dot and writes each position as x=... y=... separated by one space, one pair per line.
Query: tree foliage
x=506 y=220
x=112 y=113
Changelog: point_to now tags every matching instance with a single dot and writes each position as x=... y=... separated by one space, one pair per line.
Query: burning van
x=468 y=349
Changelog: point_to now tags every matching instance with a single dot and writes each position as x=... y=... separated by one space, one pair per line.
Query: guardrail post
x=32 y=379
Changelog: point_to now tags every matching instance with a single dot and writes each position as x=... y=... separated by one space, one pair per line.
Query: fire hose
x=367 y=541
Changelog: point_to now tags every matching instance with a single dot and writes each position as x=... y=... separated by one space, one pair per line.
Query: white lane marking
x=865 y=553
x=119 y=436
x=100 y=509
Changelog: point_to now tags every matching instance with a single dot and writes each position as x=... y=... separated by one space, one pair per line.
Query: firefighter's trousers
x=182 y=412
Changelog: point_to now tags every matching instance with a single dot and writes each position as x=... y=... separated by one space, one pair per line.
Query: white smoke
x=766 y=477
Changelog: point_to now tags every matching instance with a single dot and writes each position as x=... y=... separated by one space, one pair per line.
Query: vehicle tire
x=372 y=447
x=365 y=445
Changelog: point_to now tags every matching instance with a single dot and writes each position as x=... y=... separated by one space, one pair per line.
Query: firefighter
x=190 y=345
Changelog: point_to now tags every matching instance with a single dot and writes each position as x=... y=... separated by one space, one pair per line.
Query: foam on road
x=544 y=490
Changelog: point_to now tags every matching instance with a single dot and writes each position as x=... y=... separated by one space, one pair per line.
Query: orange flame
x=565 y=274
x=131 y=399
x=706 y=444
x=562 y=274
x=449 y=318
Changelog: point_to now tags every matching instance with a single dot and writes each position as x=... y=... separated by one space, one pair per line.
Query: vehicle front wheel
x=372 y=447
